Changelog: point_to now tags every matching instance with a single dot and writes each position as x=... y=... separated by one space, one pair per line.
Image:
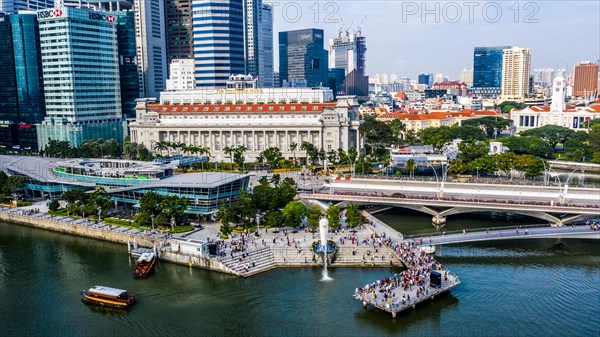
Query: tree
x=274 y=219
x=468 y=133
x=14 y=184
x=150 y=203
x=352 y=215
x=99 y=199
x=293 y=148
x=436 y=137
x=529 y=145
x=228 y=150
x=333 y=216
x=492 y=125
x=553 y=134
x=173 y=206
x=57 y=149
x=485 y=164
x=313 y=217
x=54 y=205
x=272 y=156
x=293 y=213
x=238 y=156
x=284 y=193
x=376 y=132
x=471 y=150
x=410 y=166
x=71 y=196
x=397 y=127
x=311 y=151
x=161 y=146
x=332 y=156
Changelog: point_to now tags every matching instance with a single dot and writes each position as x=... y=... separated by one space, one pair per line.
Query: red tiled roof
x=239 y=108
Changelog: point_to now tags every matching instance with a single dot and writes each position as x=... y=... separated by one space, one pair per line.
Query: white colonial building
x=242 y=89
x=557 y=113
x=329 y=125
x=181 y=75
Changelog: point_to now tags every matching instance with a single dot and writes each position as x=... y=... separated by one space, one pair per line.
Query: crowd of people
x=415 y=279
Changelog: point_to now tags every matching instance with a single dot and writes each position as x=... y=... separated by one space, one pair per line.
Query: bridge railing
x=451 y=199
x=495 y=180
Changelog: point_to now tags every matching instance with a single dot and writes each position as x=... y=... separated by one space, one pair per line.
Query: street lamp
x=99 y=213
x=152 y=218
x=437 y=180
x=566 y=185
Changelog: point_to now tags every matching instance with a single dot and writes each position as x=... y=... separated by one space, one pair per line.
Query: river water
x=511 y=288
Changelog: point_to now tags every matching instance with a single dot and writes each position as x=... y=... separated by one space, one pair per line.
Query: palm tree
x=160 y=146
x=410 y=165
x=229 y=151
x=293 y=148
x=239 y=155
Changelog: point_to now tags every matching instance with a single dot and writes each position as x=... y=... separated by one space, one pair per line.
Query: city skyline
x=404 y=48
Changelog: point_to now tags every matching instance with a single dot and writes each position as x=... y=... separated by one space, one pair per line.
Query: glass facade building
x=125 y=181
x=80 y=63
x=22 y=93
x=180 y=44
x=487 y=69
x=219 y=49
x=13 y=6
x=128 y=69
x=302 y=59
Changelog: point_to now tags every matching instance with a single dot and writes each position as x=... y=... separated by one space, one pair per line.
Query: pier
x=423 y=280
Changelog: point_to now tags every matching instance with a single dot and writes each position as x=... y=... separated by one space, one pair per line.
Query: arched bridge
x=442 y=208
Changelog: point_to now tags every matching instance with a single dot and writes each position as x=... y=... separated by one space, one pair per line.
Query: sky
x=404 y=38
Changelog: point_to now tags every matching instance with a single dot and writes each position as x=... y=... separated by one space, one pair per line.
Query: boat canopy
x=146 y=257
x=108 y=291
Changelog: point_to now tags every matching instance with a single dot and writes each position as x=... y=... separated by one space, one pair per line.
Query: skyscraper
x=426 y=79
x=302 y=59
x=151 y=46
x=586 y=80
x=9 y=106
x=180 y=42
x=128 y=68
x=516 y=68
x=80 y=64
x=22 y=92
x=13 y=6
x=487 y=70
x=218 y=41
x=466 y=76
x=349 y=53
x=265 y=47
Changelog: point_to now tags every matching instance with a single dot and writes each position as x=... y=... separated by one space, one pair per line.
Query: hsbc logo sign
x=101 y=17
x=53 y=13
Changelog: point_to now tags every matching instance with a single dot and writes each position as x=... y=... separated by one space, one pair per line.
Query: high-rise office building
x=466 y=76
x=218 y=41
x=348 y=52
x=9 y=106
x=13 y=6
x=151 y=46
x=586 y=80
x=426 y=79
x=180 y=42
x=487 y=70
x=265 y=47
x=22 y=92
x=128 y=68
x=80 y=63
x=516 y=68
x=302 y=59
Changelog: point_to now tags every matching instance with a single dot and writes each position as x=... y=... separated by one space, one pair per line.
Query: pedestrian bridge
x=574 y=232
x=441 y=208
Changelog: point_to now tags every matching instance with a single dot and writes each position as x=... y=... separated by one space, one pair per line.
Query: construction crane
x=358 y=30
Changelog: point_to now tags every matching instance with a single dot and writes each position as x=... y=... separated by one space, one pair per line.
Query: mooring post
x=364 y=303
x=394 y=314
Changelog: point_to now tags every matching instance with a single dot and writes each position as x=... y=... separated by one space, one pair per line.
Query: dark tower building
x=128 y=69
x=487 y=70
x=22 y=92
x=180 y=39
x=302 y=59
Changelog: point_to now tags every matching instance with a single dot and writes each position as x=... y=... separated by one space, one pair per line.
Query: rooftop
x=107 y=291
x=240 y=108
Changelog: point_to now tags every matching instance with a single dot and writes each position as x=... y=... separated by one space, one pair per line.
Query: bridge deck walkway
x=506 y=233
